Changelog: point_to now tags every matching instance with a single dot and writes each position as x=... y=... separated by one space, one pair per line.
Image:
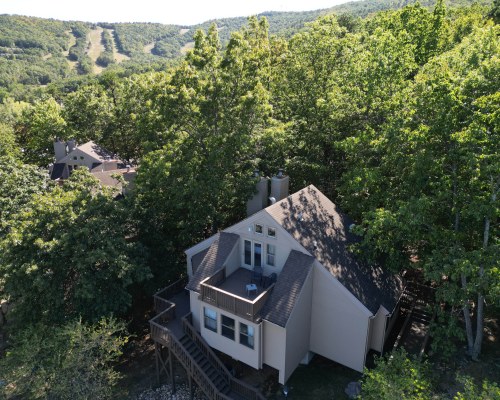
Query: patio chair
x=273 y=278
x=257 y=275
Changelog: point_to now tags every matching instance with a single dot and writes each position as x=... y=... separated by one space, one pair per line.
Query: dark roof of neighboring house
x=107 y=178
x=285 y=293
x=214 y=259
x=321 y=228
x=198 y=258
x=57 y=171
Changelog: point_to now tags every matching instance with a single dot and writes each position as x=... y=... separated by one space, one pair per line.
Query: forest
x=393 y=114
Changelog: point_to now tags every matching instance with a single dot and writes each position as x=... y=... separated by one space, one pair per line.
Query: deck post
x=191 y=391
x=157 y=363
x=171 y=367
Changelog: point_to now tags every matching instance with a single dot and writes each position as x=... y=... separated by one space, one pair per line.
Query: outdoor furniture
x=257 y=274
x=250 y=288
x=269 y=280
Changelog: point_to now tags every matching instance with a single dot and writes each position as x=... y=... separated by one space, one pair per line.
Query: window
x=271 y=253
x=248 y=252
x=228 y=327
x=257 y=255
x=258 y=229
x=210 y=319
x=246 y=335
x=271 y=232
x=82 y=157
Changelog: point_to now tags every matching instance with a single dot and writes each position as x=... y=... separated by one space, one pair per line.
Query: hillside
x=36 y=51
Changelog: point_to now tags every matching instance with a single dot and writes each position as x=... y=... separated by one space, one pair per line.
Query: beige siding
x=298 y=328
x=377 y=329
x=340 y=323
x=274 y=347
x=391 y=321
x=284 y=242
x=195 y=309
x=233 y=348
x=86 y=161
x=233 y=260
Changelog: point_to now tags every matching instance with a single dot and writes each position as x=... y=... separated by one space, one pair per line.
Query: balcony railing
x=235 y=304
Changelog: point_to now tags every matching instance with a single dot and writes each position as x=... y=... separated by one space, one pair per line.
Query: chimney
x=259 y=200
x=71 y=145
x=59 y=149
x=279 y=185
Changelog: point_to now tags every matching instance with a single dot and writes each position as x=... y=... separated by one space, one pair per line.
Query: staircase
x=195 y=355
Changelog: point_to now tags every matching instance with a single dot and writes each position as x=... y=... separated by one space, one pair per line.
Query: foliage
x=67 y=254
x=487 y=390
x=61 y=362
x=397 y=377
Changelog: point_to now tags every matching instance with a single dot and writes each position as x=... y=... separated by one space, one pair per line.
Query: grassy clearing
x=147 y=49
x=183 y=31
x=119 y=57
x=95 y=47
x=188 y=46
x=72 y=42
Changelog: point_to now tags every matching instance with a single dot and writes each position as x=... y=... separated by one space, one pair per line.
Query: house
x=101 y=163
x=283 y=285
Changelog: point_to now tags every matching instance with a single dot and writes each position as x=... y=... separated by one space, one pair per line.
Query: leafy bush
x=63 y=362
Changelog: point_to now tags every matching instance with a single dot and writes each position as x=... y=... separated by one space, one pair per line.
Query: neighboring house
x=100 y=162
x=315 y=296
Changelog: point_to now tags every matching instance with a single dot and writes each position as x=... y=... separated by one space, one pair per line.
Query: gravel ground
x=165 y=393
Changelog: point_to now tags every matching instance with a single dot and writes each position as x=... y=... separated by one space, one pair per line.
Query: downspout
x=261 y=345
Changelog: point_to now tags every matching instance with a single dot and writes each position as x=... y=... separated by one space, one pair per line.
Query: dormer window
x=271 y=232
x=258 y=229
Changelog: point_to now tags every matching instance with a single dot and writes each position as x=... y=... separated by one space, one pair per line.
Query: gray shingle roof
x=321 y=228
x=285 y=293
x=198 y=258
x=214 y=259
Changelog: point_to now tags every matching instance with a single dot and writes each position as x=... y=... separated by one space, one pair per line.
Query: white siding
x=339 y=323
x=195 y=309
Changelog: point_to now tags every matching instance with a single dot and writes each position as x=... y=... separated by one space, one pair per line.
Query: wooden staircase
x=202 y=365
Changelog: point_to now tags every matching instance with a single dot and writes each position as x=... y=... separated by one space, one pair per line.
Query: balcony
x=229 y=293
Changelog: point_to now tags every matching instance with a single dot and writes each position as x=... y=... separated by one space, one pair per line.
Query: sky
x=180 y=12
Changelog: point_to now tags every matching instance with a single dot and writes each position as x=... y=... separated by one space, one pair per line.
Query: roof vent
x=272 y=200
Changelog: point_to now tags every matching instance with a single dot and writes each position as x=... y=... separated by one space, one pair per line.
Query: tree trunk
x=467 y=319
x=480 y=297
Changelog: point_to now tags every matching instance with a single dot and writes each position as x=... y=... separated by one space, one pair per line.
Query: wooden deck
x=236 y=284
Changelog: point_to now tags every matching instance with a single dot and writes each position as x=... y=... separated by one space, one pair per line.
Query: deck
x=236 y=284
x=182 y=308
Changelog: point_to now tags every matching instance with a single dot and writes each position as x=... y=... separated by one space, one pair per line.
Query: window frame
x=245 y=252
x=254 y=253
x=269 y=229
x=259 y=227
x=228 y=331
x=268 y=254
x=247 y=339
x=209 y=318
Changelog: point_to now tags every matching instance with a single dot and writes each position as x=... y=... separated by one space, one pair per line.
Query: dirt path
x=119 y=57
x=95 y=47
x=183 y=31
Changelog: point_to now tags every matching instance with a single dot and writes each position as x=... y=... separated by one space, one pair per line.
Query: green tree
x=397 y=377
x=74 y=360
x=67 y=254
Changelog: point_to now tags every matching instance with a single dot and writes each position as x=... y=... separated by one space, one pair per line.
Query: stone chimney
x=59 y=149
x=279 y=185
x=71 y=145
x=259 y=200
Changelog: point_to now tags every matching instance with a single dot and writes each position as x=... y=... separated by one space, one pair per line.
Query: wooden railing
x=164 y=336
x=237 y=386
x=161 y=297
x=235 y=304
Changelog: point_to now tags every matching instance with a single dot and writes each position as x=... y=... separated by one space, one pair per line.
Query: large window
x=246 y=335
x=271 y=254
x=210 y=319
x=248 y=252
x=257 y=255
x=228 y=327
